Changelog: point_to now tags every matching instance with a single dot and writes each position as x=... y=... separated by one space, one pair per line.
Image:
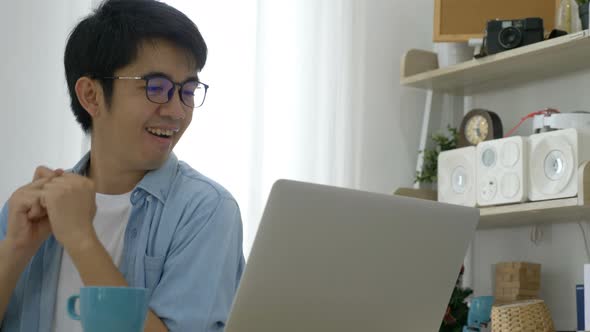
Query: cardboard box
x=460 y=20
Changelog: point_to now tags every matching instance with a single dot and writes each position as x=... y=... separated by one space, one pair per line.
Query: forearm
x=12 y=265
x=96 y=268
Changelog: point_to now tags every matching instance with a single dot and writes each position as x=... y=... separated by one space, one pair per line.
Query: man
x=129 y=213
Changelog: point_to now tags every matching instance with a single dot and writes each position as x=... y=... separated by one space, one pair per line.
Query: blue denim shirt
x=183 y=243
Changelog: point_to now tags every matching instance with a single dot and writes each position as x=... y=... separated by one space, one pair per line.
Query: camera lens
x=510 y=37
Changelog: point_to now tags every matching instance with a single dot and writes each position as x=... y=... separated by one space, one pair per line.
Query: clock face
x=476 y=129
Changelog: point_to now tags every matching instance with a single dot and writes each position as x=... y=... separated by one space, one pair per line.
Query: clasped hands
x=58 y=203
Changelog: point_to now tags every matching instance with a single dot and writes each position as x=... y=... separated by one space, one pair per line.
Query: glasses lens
x=193 y=93
x=158 y=89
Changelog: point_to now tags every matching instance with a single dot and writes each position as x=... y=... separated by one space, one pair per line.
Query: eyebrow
x=159 y=73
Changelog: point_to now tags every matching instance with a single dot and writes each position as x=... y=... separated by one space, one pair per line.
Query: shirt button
x=134 y=233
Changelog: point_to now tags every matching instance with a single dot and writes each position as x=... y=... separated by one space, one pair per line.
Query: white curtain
x=286 y=96
x=38 y=127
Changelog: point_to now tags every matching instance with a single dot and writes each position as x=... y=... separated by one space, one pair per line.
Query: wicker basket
x=526 y=316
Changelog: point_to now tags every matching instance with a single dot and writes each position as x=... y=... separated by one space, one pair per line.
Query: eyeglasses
x=160 y=89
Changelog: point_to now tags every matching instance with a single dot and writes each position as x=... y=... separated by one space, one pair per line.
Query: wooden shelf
x=542 y=212
x=537 y=61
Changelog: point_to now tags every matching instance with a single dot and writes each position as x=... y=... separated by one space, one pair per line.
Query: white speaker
x=554 y=160
x=502 y=171
x=456 y=176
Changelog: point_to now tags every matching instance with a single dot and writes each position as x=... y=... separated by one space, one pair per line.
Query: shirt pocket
x=154 y=266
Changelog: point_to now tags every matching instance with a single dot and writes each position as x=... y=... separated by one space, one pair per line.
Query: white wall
x=37 y=124
x=561 y=253
x=394 y=114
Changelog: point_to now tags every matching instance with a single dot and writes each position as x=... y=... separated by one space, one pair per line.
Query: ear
x=89 y=94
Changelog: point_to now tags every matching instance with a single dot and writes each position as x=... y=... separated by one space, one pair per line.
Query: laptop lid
x=334 y=259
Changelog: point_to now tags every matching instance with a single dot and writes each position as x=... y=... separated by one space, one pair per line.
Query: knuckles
x=39 y=171
x=74 y=186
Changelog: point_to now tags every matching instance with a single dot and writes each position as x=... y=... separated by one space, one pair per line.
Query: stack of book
x=583 y=301
x=580 y=307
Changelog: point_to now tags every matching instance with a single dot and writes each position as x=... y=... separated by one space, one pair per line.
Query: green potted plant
x=441 y=142
x=583 y=12
x=457 y=310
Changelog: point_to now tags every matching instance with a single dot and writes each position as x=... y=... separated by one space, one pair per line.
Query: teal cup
x=113 y=309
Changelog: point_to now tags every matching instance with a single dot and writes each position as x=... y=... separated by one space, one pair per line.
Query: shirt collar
x=81 y=166
x=156 y=182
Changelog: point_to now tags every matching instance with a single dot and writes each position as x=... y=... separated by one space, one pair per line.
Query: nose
x=174 y=108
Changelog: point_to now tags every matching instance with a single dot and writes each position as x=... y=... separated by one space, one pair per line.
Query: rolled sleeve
x=202 y=270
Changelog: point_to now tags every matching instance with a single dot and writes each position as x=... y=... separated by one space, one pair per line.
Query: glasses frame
x=175 y=84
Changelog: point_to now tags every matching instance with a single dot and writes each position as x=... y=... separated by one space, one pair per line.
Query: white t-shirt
x=110 y=222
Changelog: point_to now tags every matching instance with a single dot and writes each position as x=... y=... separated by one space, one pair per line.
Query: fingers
x=44 y=227
x=64 y=175
x=38 y=184
x=43 y=202
x=45 y=188
x=37 y=211
x=25 y=200
x=43 y=172
x=69 y=179
x=28 y=199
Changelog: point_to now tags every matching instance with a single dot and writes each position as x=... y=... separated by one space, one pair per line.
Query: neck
x=110 y=175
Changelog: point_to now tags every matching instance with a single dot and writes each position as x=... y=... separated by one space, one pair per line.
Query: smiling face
x=131 y=130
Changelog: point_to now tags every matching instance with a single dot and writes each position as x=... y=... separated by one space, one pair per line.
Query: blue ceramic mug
x=113 y=309
x=480 y=310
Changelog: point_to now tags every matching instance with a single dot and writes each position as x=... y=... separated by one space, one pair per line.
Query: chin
x=154 y=162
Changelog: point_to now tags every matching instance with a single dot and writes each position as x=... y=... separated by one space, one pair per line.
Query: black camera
x=502 y=35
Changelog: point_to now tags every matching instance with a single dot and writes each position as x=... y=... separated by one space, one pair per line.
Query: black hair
x=109 y=39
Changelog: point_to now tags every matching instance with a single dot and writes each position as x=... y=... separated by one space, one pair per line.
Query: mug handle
x=72 y=307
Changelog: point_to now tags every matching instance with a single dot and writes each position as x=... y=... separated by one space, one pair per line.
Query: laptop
x=335 y=259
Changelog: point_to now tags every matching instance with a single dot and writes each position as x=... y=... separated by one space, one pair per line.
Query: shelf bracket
x=424 y=134
x=417 y=61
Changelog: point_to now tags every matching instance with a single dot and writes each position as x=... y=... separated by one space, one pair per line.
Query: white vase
x=453 y=53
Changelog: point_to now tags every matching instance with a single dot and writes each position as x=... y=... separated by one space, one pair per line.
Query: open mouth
x=161 y=133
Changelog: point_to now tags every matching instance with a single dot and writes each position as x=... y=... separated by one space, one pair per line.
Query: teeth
x=161 y=132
